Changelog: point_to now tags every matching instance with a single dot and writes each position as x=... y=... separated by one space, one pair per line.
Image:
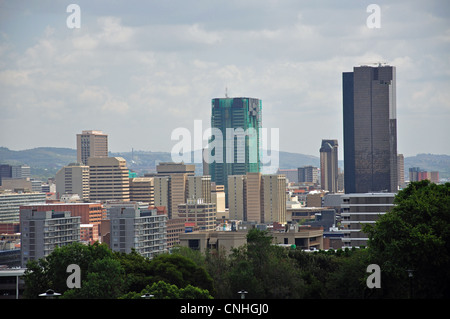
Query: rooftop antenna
x=226 y=92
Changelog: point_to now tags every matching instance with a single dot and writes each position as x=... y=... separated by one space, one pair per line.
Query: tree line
x=412 y=239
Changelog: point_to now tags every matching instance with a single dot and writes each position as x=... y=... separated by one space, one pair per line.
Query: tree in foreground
x=414 y=238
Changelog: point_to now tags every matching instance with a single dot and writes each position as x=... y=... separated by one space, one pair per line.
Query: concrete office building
x=43 y=231
x=91 y=144
x=259 y=198
x=108 y=179
x=10 y=204
x=370 y=129
x=162 y=192
x=216 y=240
x=142 y=189
x=199 y=187
x=90 y=213
x=401 y=170
x=5 y=172
x=308 y=174
x=73 y=179
x=198 y=212
x=359 y=209
x=218 y=198
x=329 y=165
x=236 y=204
x=241 y=152
x=20 y=171
x=141 y=229
x=273 y=199
x=171 y=185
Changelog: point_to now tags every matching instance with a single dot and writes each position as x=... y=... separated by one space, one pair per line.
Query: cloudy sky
x=137 y=70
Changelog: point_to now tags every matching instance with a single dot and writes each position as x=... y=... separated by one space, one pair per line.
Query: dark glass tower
x=239 y=115
x=370 y=129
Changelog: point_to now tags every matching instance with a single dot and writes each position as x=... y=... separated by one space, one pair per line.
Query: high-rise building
x=370 y=129
x=257 y=197
x=162 y=192
x=43 y=231
x=329 y=165
x=73 y=179
x=142 y=189
x=273 y=199
x=20 y=171
x=401 y=170
x=239 y=151
x=171 y=185
x=5 y=172
x=91 y=144
x=308 y=174
x=140 y=229
x=108 y=179
x=199 y=187
x=236 y=190
x=199 y=212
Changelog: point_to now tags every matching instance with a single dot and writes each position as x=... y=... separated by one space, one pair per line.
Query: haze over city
x=138 y=70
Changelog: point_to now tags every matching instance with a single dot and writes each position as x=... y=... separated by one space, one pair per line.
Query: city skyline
x=141 y=70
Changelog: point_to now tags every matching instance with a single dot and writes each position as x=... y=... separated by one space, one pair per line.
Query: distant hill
x=46 y=161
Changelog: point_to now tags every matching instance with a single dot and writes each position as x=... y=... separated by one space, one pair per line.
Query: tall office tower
x=91 y=144
x=370 y=129
x=253 y=193
x=171 y=185
x=140 y=229
x=73 y=179
x=240 y=119
x=257 y=198
x=308 y=174
x=108 y=179
x=162 y=192
x=218 y=198
x=43 y=231
x=329 y=165
x=142 y=189
x=401 y=170
x=273 y=201
x=5 y=172
x=236 y=197
x=199 y=187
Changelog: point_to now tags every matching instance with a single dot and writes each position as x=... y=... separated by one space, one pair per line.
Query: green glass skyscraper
x=239 y=122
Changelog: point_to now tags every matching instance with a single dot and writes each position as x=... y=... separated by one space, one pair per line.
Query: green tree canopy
x=414 y=235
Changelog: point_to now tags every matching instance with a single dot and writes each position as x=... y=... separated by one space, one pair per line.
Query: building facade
x=329 y=168
x=91 y=144
x=43 y=231
x=308 y=174
x=370 y=129
x=237 y=149
x=108 y=179
x=140 y=229
x=10 y=204
x=142 y=189
x=359 y=209
x=257 y=197
x=73 y=179
x=202 y=214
